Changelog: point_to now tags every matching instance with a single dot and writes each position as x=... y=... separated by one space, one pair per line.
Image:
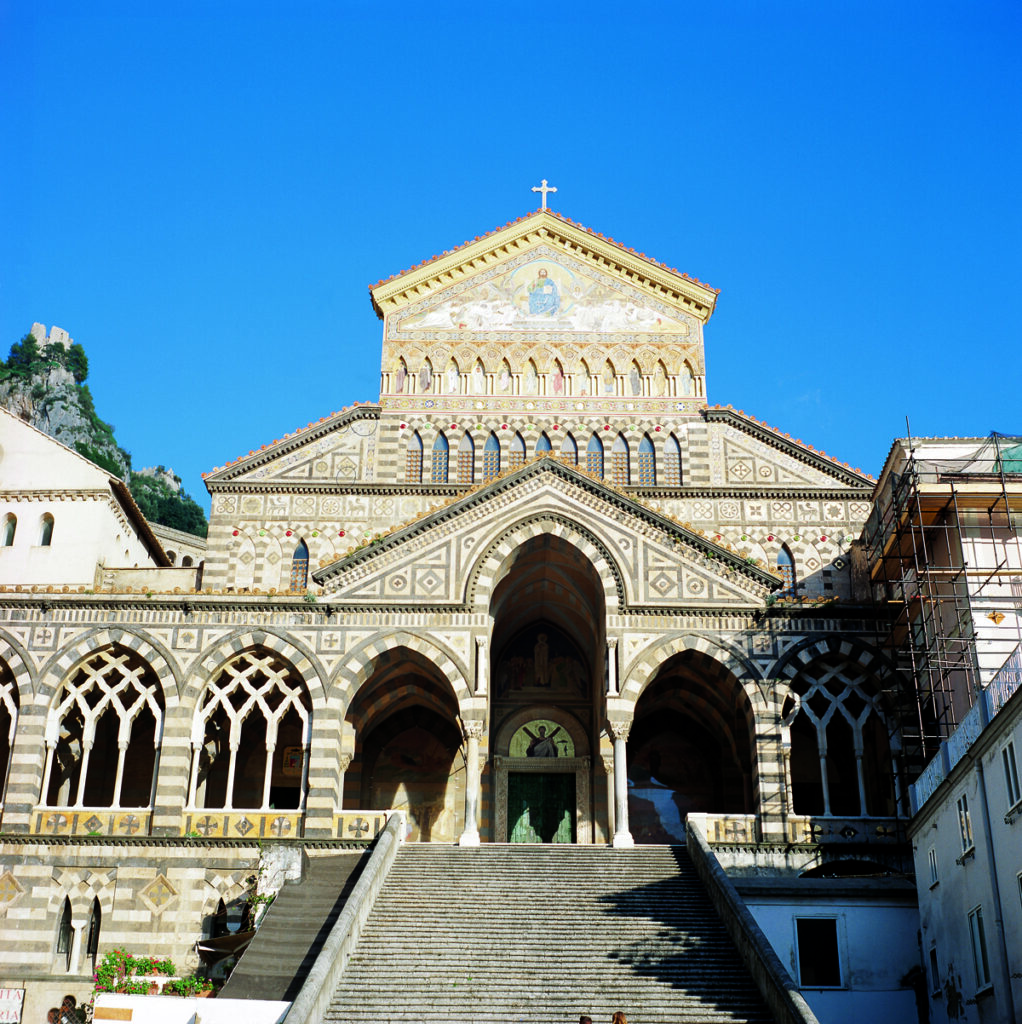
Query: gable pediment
x=337 y=449
x=447 y=557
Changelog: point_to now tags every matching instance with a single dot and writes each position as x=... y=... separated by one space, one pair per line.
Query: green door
x=541 y=807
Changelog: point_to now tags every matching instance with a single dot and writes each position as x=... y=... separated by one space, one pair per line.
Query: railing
x=993 y=697
x=212 y=824
x=90 y=821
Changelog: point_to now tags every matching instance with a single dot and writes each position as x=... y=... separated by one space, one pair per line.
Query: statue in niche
x=544 y=298
x=659 y=381
x=635 y=380
x=399 y=379
x=505 y=378
x=531 y=379
x=453 y=378
x=478 y=380
x=558 y=382
x=425 y=377
x=541 y=745
x=541 y=662
x=608 y=379
x=686 y=381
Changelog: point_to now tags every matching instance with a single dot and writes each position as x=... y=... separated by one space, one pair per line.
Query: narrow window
x=517 y=450
x=92 y=933
x=819 y=965
x=491 y=457
x=620 y=465
x=569 y=450
x=964 y=823
x=672 y=462
x=979 y=948
x=647 y=462
x=1011 y=774
x=931 y=857
x=10 y=525
x=466 y=460
x=413 y=459
x=438 y=470
x=46 y=531
x=65 y=934
x=934 y=972
x=594 y=456
x=786 y=567
x=300 y=567
x=543 y=444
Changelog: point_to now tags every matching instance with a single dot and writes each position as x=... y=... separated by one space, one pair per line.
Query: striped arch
x=81 y=888
x=216 y=657
x=495 y=561
x=641 y=672
x=391 y=699
x=800 y=655
x=365 y=660
x=13 y=655
x=220 y=887
x=83 y=647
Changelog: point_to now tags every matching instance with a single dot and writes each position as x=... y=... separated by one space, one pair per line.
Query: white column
x=46 y=776
x=196 y=751
x=343 y=764
x=473 y=731
x=862 y=783
x=268 y=775
x=122 y=749
x=612 y=690
x=823 y=776
x=608 y=771
x=231 y=765
x=482 y=668
x=86 y=751
x=619 y=733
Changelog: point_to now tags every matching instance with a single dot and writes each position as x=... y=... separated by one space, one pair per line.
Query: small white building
x=62 y=516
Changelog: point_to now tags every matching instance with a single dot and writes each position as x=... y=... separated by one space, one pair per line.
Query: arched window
x=251 y=737
x=299 y=568
x=672 y=462
x=619 y=462
x=92 y=933
x=413 y=459
x=594 y=456
x=10 y=526
x=103 y=732
x=647 y=462
x=569 y=450
x=517 y=450
x=65 y=935
x=8 y=723
x=466 y=459
x=491 y=457
x=786 y=567
x=841 y=761
x=543 y=444
x=46 y=530
x=438 y=469
x=172 y=555
x=186 y=561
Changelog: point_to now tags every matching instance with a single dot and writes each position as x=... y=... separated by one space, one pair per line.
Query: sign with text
x=11 y=1002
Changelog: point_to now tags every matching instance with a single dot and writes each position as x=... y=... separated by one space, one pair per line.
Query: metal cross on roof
x=542 y=187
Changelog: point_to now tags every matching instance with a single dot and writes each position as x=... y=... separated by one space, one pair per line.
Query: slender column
x=343 y=764
x=482 y=669
x=268 y=775
x=619 y=733
x=823 y=777
x=306 y=758
x=122 y=749
x=50 y=754
x=612 y=667
x=232 y=764
x=862 y=783
x=194 y=785
x=473 y=731
x=608 y=771
x=86 y=751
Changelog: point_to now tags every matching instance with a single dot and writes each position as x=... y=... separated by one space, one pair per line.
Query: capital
x=345 y=760
x=619 y=730
x=473 y=730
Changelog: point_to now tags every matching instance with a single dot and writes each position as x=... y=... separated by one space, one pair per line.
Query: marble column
x=612 y=690
x=482 y=670
x=619 y=733
x=470 y=836
x=608 y=771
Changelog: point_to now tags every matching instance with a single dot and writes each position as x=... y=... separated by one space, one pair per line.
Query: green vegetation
x=160 y=503
x=27 y=371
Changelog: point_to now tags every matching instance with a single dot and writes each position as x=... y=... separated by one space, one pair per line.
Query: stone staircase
x=282 y=952
x=541 y=934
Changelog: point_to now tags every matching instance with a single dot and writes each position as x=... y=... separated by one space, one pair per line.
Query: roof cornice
x=546 y=226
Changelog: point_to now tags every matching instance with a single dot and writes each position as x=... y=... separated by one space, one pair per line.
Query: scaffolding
x=945 y=565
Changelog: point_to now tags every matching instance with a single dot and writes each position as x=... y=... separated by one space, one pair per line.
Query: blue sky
x=201 y=193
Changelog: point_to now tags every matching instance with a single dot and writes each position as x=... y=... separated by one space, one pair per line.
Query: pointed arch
x=620 y=462
x=65 y=938
x=543 y=444
x=672 y=461
x=466 y=459
x=413 y=459
x=299 y=568
x=647 y=462
x=438 y=463
x=594 y=456
x=491 y=457
x=569 y=450
x=517 y=450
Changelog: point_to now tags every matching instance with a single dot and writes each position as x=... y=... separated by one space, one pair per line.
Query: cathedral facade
x=539 y=591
